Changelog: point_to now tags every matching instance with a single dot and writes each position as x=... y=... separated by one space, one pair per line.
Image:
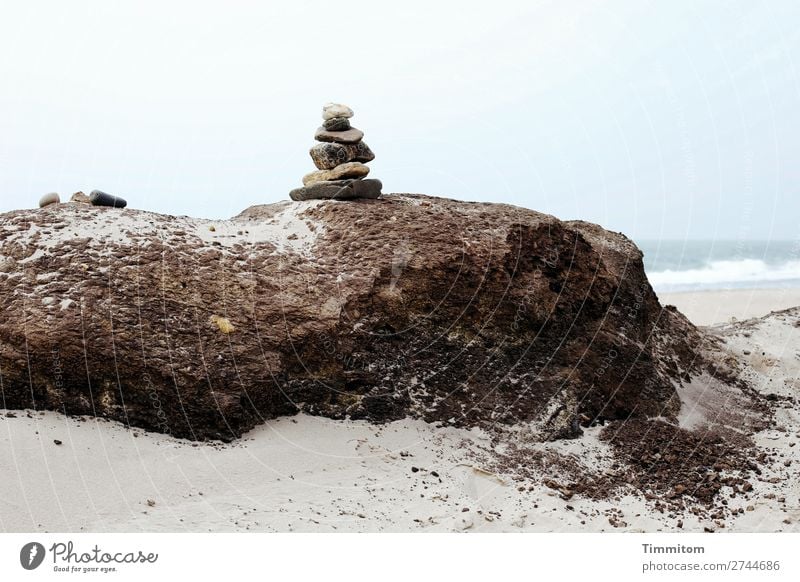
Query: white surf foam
x=722 y=274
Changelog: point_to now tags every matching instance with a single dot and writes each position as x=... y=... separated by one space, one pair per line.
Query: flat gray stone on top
x=338 y=190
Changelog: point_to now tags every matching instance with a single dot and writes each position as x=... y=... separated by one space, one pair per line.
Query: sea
x=696 y=265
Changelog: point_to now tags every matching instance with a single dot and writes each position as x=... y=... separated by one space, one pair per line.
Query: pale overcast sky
x=674 y=119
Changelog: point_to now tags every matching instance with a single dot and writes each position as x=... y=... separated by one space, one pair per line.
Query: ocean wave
x=724 y=274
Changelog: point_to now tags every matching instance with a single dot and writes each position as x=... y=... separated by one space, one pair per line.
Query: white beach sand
x=716 y=307
x=300 y=474
x=313 y=474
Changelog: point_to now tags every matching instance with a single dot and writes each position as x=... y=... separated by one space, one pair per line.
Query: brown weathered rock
x=465 y=313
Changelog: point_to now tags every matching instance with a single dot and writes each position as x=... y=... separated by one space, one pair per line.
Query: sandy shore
x=306 y=474
x=313 y=474
x=291 y=474
x=715 y=307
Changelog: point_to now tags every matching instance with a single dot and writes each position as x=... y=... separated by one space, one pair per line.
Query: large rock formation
x=464 y=313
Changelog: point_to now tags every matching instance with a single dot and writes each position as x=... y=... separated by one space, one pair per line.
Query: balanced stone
x=80 y=198
x=48 y=199
x=336 y=124
x=338 y=190
x=327 y=156
x=100 y=198
x=340 y=172
x=331 y=110
x=351 y=135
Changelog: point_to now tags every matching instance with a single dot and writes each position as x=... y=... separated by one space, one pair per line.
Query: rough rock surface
x=462 y=313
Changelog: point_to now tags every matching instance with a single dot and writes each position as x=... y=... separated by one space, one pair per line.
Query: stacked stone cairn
x=340 y=157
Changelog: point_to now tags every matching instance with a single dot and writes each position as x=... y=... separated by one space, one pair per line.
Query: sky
x=662 y=120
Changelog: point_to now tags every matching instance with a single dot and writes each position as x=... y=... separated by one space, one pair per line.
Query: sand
x=291 y=474
x=285 y=227
x=718 y=307
x=313 y=474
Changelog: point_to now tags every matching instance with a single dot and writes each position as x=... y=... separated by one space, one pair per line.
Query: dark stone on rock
x=100 y=198
x=508 y=315
x=338 y=190
x=352 y=135
x=327 y=156
x=336 y=124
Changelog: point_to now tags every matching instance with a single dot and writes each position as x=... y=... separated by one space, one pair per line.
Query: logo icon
x=31 y=555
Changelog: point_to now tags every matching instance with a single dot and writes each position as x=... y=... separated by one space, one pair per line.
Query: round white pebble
x=48 y=199
x=331 y=110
